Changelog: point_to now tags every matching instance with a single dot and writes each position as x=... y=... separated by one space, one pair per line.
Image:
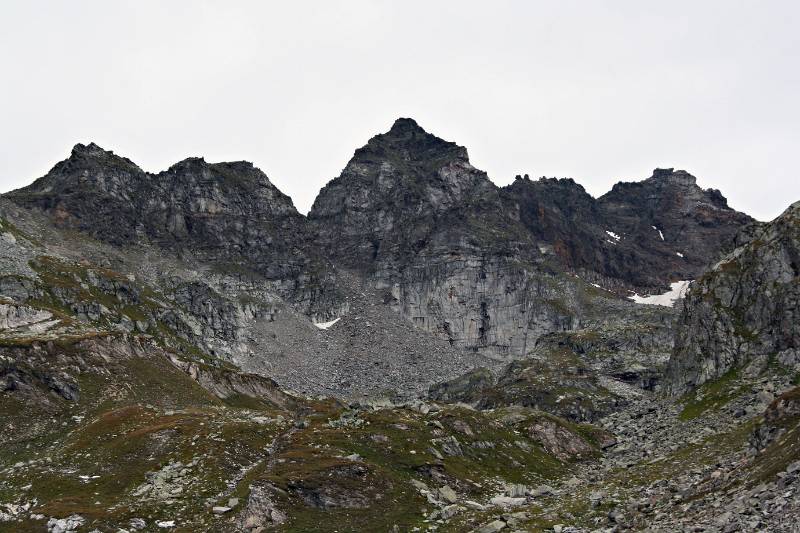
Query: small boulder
x=448 y=494
x=507 y=501
x=491 y=527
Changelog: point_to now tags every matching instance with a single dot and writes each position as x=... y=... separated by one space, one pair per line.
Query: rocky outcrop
x=227 y=383
x=782 y=415
x=469 y=388
x=14 y=316
x=745 y=312
x=558 y=440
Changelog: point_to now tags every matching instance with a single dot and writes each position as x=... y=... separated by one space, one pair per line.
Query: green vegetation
x=712 y=395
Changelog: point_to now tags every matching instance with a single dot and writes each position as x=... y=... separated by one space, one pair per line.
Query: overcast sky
x=599 y=91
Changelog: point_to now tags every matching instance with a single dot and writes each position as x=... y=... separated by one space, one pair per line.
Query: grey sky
x=595 y=90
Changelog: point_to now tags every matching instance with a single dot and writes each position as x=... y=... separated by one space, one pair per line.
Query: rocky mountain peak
x=94 y=159
x=407 y=143
x=395 y=192
x=225 y=212
x=406 y=125
x=88 y=149
x=674 y=177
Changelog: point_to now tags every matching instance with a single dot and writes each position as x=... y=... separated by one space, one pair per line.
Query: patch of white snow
x=677 y=291
x=326 y=325
x=613 y=235
x=679 y=254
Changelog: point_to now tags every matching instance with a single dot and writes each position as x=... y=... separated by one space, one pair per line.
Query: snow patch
x=659 y=232
x=613 y=235
x=679 y=254
x=677 y=291
x=326 y=325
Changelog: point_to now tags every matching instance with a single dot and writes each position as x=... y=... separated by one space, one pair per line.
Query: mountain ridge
x=454 y=253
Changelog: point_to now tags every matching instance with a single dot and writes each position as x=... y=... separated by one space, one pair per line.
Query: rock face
x=782 y=416
x=745 y=312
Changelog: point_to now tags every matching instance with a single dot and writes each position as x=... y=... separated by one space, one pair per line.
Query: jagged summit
x=403 y=124
x=407 y=143
x=91 y=159
x=88 y=149
x=91 y=151
x=670 y=174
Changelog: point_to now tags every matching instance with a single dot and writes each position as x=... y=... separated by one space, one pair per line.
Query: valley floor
x=147 y=448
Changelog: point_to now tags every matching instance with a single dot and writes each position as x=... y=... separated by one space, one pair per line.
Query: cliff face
x=744 y=314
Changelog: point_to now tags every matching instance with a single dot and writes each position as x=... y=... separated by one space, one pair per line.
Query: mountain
x=406 y=193
x=241 y=270
x=673 y=228
x=410 y=212
x=225 y=213
x=743 y=315
x=638 y=235
x=491 y=269
x=425 y=351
